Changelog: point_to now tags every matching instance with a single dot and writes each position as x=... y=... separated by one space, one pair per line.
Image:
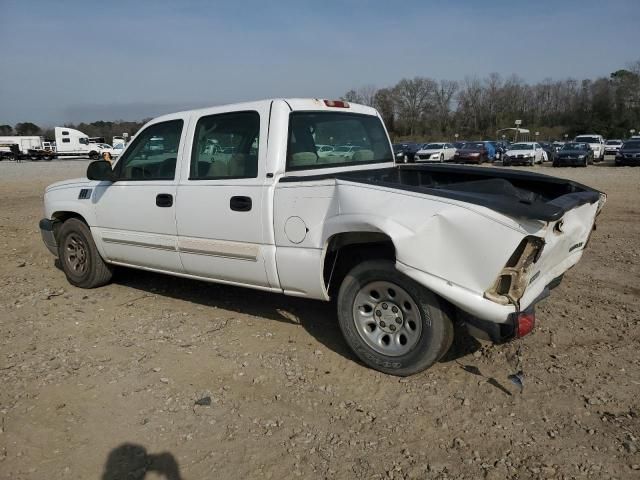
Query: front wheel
x=391 y=323
x=441 y=158
x=80 y=259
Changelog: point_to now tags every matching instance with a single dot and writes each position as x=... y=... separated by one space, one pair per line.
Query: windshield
x=575 y=146
x=433 y=146
x=588 y=139
x=473 y=146
x=357 y=139
x=632 y=145
x=521 y=146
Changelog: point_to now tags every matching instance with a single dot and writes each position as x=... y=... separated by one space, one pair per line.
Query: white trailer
x=24 y=142
x=20 y=147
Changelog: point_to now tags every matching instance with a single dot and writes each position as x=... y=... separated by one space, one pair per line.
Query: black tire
x=93 y=155
x=436 y=332
x=441 y=158
x=79 y=257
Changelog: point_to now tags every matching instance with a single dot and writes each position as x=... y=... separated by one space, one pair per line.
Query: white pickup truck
x=405 y=251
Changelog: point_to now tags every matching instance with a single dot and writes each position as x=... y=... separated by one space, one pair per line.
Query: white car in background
x=596 y=142
x=435 y=152
x=117 y=150
x=324 y=150
x=346 y=151
x=102 y=148
x=612 y=146
x=524 y=153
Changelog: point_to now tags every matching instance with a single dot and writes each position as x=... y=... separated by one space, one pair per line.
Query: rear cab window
x=352 y=138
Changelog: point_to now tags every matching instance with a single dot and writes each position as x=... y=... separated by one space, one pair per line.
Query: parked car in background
x=472 y=152
x=497 y=149
x=574 y=154
x=558 y=145
x=324 y=150
x=405 y=152
x=103 y=148
x=346 y=151
x=459 y=144
x=629 y=154
x=611 y=147
x=435 y=152
x=491 y=150
x=550 y=150
x=524 y=153
x=117 y=150
x=595 y=141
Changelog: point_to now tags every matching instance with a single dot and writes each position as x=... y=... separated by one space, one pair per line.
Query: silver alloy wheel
x=76 y=254
x=387 y=318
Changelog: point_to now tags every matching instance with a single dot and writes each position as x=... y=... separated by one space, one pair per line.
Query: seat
x=362 y=156
x=218 y=169
x=302 y=159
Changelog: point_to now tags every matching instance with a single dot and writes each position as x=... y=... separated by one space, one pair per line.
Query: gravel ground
x=182 y=379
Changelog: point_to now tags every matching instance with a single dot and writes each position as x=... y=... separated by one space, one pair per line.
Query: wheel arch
x=344 y=250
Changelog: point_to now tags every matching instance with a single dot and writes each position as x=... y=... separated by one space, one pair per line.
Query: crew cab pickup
x=405 y=250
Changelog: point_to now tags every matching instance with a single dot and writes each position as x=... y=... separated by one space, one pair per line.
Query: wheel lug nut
x=394 y=309
x=385 y=306
x=398 y=321
x=378 y=313
x=382 y=324
x=392 y=328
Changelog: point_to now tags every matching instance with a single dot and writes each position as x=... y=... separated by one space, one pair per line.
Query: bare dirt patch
x=161 y=375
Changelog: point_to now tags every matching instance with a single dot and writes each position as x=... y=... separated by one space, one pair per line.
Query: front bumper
x=631 y=162
x=47 y=231
x=517 y=161
x=568 y=162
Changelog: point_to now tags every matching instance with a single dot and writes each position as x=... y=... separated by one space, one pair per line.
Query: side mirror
x=101 y=170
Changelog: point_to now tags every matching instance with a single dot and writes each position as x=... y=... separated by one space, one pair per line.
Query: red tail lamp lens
x=526 y=323
x=336 y=103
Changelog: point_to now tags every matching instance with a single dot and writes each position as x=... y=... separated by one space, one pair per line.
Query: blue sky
x=70 y=61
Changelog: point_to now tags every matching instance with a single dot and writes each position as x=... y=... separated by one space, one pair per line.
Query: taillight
x=336 y=103
x=525 y=322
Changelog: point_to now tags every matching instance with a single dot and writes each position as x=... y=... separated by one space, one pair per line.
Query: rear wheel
x=93 y=155
x=80 y=259
x=391 y=323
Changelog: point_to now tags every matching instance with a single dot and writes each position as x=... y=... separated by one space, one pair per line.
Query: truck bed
x=514 y=193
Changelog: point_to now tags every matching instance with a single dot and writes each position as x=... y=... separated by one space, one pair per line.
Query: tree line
x=476 y=108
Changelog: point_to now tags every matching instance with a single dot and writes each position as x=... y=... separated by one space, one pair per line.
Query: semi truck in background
x=74 y=143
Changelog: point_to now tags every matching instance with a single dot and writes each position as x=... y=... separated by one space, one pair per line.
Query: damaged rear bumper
x=518 y=324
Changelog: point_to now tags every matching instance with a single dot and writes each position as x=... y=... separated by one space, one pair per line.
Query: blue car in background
x=493 y=151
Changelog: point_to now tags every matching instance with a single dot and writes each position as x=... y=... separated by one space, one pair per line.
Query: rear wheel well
x=346 y=250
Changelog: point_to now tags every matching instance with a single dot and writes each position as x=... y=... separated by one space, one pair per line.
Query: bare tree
x=413 y=97
x=443 y=97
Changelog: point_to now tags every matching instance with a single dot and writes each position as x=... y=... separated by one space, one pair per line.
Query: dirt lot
x=103 y=383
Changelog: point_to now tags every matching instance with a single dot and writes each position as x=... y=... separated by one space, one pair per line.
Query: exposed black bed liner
x=514 y=193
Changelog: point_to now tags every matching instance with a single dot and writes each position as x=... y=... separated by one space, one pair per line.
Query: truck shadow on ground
x=316 y=317
x=132 y=462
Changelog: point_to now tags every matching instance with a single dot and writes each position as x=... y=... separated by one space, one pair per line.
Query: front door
x=135 y=216
x=221 y=210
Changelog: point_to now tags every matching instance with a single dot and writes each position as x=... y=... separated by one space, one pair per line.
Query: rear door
x=222 y=210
